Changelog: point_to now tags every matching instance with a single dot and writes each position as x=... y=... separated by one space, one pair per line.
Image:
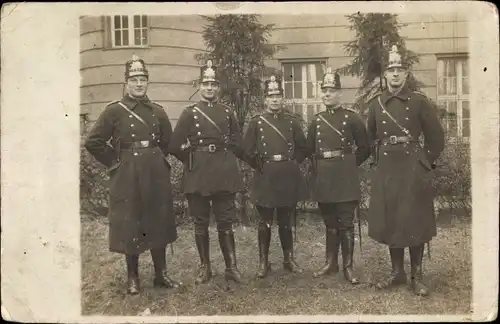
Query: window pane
x=465 y=85
x=298 y=109
x=297 y=72
x=297 y=90
x=145 y=36
x=466 y=127
x=311 y=91
x=465 y=109
x=452 y=108
x=451 y=85
x=451 y=68
x=465 y=68
x=137 y=21
x=125 y=38
x=118 y=38
x=137 y=36
x=319 y=72
x=288 y=90
x=125 y=21
x=441 y=85
x=452 y=118
x=144 y=21
x=287 y=70
x=117 y=22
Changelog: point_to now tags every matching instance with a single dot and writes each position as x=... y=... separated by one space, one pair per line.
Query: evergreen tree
x=375 y=35
x=238 y=45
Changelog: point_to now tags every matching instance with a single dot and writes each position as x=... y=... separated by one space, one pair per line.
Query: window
x=453 y=96
x=129 y=31
x=301 y=86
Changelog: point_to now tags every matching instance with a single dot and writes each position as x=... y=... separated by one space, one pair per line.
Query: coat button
x=319 y=141
x=342 y=139
x=407 y=153
x=194 y=110
x=133 y=135
x=259 y=122
x=344 y=123
x=319 y=133
x=195 y=117
x=346 y=116
x=227 y=110
x=261 y=130
x=385 y=153
x=130 y=116
x=407 y=118
x=197 y=125
x=318 y=119
x=407 y=108
x=317 y=126
x=383 y=121
x=262 y=136
x=199 y=133
x=385 y=133
x=135 y=153
x=201 y=141
x=131 y=125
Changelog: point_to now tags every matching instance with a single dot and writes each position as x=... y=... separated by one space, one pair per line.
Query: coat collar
x=332 y=110
x=278 y=114
x=403 y=94
x=206 y=103
x=131 y=103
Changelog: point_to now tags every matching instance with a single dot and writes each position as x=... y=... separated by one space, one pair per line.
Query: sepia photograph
x=241 y=164
x=280 y=159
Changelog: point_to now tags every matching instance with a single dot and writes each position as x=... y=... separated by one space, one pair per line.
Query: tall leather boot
x=264 y=240
x=203 y=246
x=228 y=248
x=332 y=250
x=417 y=284
x=286 y=239
x=398 y=275
x=347 y=246
x=160 y=264
x=133 y=286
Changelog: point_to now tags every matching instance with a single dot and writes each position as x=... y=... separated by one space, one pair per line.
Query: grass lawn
x=448 y=274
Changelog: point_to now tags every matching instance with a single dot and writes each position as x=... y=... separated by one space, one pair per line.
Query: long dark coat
x=140 y=200
x=337 y=179
x=401 y=212
x=280 y=184
x=211 y=173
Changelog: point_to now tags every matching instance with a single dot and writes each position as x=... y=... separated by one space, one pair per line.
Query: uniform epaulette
x=256 y=116
x=350 y=109
x=190 y=105
x=291 y=114
x=420 y=93
x=112 y=102
x=153 y=102
x=374 y=96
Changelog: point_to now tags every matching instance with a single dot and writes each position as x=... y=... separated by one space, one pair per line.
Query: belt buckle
x=211 y=148
x=327 y=155
x=393 y=139
x=277 y=157
x=144 y=143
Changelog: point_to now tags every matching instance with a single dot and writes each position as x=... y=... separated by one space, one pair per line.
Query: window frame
x=130 y=29
x=459 y=97
x=304 y=102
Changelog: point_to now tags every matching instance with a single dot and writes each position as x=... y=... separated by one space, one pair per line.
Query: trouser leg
x=264 y=239
x=160 y=265
x=284 y=215
x=417 y=284
x=132 y=261
x=332 y=241
x=199 y=208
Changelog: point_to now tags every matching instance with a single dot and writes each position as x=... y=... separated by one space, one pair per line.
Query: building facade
x=168 y=44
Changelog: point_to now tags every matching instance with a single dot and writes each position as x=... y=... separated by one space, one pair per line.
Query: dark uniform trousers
x=339 y=215
x=223 y=207
x=284 y=218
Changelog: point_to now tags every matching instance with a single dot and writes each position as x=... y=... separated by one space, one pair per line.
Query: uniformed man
x=141 y=205
x=338 y=144
x=401 y=212
x=207 y=139
x=274 y=145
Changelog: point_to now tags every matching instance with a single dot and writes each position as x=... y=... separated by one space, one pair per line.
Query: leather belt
x=210 y=148
x=393 y=140
x=276 y=158
x=138 y=144
x=325 y=155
